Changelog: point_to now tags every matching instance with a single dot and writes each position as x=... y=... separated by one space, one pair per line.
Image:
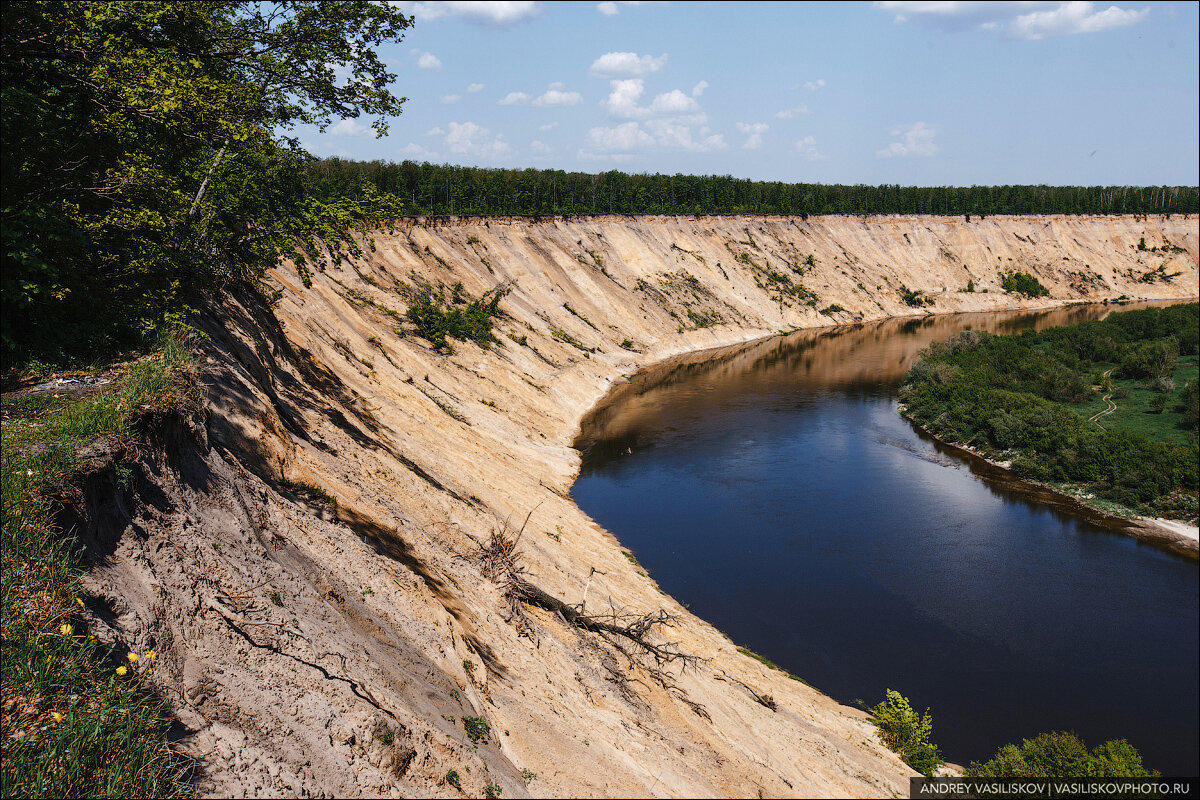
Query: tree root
x=634 y=636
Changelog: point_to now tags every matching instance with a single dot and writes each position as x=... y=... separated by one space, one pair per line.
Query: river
x=775 y=489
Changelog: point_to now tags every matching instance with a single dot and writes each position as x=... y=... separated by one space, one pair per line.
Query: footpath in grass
x=76 y=718
x=1142 y=410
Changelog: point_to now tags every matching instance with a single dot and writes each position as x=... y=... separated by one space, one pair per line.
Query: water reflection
x=775 y=489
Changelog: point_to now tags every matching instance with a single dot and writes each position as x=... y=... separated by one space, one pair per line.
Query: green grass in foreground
x=76 y=720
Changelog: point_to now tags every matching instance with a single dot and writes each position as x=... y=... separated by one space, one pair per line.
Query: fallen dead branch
x=634 y=636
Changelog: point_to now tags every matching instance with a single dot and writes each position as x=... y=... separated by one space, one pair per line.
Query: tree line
x=442 y=189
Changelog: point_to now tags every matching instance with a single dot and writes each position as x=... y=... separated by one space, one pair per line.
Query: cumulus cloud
x=514 y=99
x=812 y=86
x=1028 y=20
x=557 y=97
x=416 y=151
x=539 y=149
x=451 y=98
x=622 y=101
x=499 y=12
x=674 y=102
x=793 y=112
x=469 y=139
x=915 y=140
x=475 y=87
x=1072 y=18
x=625 y=137
x=807 y=148
x=549 y=126
x=428 y=61
x=348 y=127
x=754 y=132
x=631 y=65
x=611 y=9
x=699 y=88
x=435 y=131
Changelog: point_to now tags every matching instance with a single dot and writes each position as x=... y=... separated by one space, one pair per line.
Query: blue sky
x=914 y=93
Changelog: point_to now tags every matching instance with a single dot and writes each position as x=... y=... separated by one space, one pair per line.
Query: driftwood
x=634 y=636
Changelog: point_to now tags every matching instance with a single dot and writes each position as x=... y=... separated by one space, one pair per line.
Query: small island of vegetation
x=1106 y=408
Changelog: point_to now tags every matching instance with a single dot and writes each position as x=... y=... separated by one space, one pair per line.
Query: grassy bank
x=77 y=720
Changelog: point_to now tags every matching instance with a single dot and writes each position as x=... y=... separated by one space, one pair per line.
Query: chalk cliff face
x=341 y=650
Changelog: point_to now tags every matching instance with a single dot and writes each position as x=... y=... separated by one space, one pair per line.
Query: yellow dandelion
x=66 y=630
x=150 y=671
x=57 y=716
x=152 y=654
x=78 y=602
x=133 y=657
x=121 y=670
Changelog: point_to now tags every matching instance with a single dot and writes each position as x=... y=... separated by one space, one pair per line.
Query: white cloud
x=429 y=61
x=676 y=133
x=754 y=132
x=416 y=151
x=451 y=98
x=793 y=112
x=348 y=127
x=540 y=149
x=916 y=140
x=499 y=12
x=514 y=99
x=1025 y=20
x=807 y=148
x=557 y=97
x=434 y=132
x=812 y=86
x=475 y=87
x=549 y=126
x=625 y=137
x=674 y=102
x=699 y=88
x=611 y=65
x=622 y=101
x=610 y=9
x=1072 y=18
x=467 y=138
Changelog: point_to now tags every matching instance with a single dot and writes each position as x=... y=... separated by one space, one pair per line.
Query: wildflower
x=57 y=716
x=150 y=671
x=92 y=637
x=78 y=602
x=121 y=670
x=151 y=654
x=65 y=630
x=133 y=657
x=29 y=472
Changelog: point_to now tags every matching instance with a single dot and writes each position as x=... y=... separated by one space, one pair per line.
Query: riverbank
x=1178 y=536
x=246 y=578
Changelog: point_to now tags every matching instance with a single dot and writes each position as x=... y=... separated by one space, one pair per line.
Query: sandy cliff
x=319 y=650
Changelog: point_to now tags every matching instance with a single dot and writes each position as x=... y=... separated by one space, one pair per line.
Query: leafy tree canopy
x=147 y=156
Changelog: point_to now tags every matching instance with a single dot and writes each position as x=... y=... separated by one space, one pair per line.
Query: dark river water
x=776 y=490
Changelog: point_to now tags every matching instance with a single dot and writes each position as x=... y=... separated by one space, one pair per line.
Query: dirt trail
x=314 y=649
x=1111 y=406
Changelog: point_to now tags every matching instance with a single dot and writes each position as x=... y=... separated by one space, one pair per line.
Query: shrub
x=906 y=733
x=435 y=320
x=477 y=728
x=1062 y=755
x=1023 y=283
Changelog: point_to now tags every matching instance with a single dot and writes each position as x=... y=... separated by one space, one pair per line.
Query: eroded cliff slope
x=314 y=648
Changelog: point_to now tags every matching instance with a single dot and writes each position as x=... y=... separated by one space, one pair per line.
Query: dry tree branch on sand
x=634 y=636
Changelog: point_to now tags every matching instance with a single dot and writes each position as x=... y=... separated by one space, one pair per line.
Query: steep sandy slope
x=315 y=649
